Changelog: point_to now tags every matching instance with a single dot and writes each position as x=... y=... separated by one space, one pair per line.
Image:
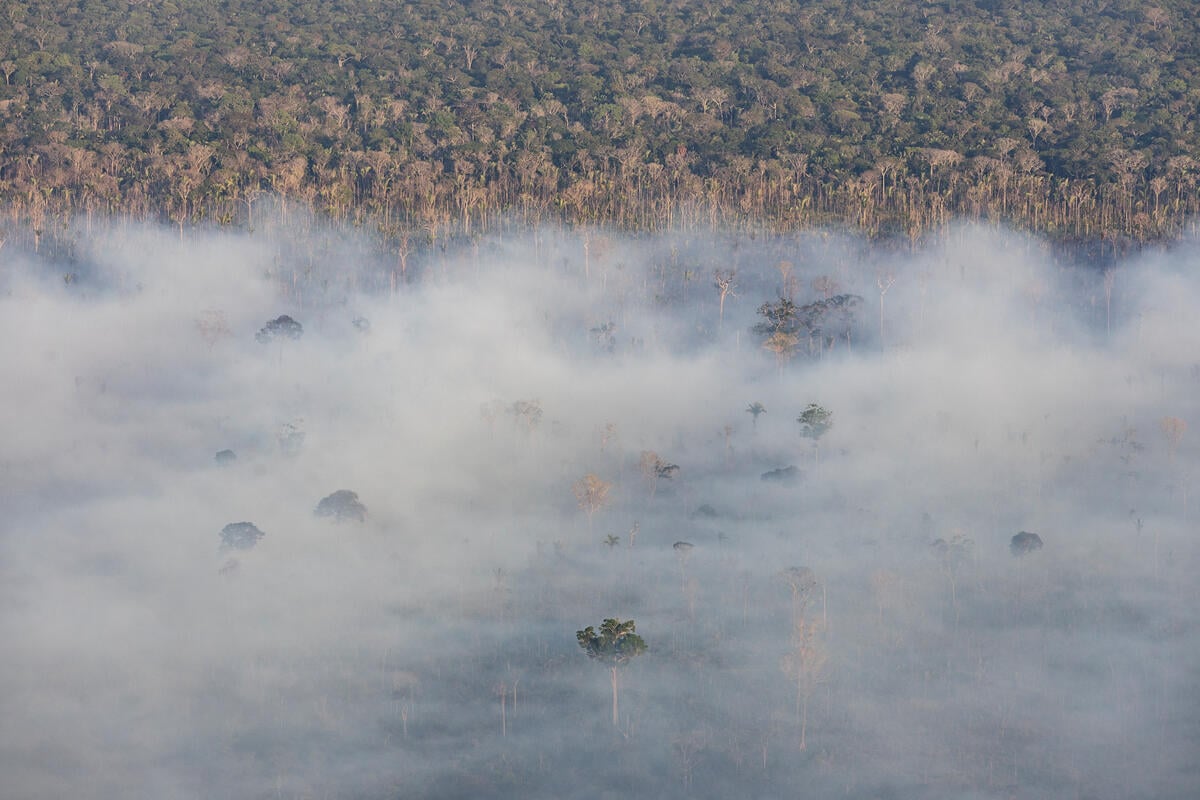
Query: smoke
x=984 y=386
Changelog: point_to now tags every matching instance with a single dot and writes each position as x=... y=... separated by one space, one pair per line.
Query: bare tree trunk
x=804 y=722
x=614 y=704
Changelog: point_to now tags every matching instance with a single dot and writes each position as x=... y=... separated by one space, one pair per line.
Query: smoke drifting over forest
x=848 y=622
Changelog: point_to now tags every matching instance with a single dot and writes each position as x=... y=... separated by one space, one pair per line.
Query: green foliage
x=782 y=316
x=815 y=422
x=615 y=644
x=820 y=320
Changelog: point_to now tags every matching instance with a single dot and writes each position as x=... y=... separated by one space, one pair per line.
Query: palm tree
x=754 y=409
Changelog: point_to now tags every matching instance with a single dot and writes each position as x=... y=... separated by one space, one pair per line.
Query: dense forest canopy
x=1073 y=118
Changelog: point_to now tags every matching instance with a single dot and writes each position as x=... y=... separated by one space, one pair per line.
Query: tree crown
x=616 y=643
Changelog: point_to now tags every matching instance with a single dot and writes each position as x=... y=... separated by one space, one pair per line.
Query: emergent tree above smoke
x=282 y=327
x=615 y=645
x=815 y=422
x=1025 y=543
x=341 y=506
x=240 y=536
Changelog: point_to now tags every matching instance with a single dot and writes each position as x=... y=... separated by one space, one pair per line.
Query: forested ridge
x=1075 y=119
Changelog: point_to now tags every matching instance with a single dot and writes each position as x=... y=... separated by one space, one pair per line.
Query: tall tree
x=805 y=665
x=591 y=492
x=614 y=645
x=815 y=422
x=723 y=279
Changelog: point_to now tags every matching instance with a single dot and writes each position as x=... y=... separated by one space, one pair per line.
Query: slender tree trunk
x=614 y=688
x=804 y=722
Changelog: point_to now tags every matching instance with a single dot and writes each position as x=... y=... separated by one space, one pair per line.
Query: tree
x=616 y=644
x=802 y=581
x=291 y=437
x=341 y=506
x=884 y=279
x=605 y=336
x=1173 y=428
x=212 y=327
x=1025 y=543
x=1110 y=276
x=788 y=474
x=783 y=345
x=784 y=323
x=805 y=664
x=282 y=327
x=240 y=536
x=683 y=551
x=755 y=409
x=654 y=468
x=815 y=422
x=781 y=316
x=527 y=413
x=954 y=554
x=592 y=494
x=829 y=319
x=723 y=280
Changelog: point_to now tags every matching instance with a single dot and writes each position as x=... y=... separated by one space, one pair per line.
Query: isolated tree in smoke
x=527 y=413
x=615 y=645
x=884 y=279
x=683 y=551
x=802 y=581
x=805 y=665
x=282 y=327
x=291 y=437
x=240 y=536
x=815 y=422
x=954 y=554
x=341 y=506
x=755 y=410
x=723 y=280
x=212 y=327
x=605 y=336
x=1173 y=428
x=1025 y=543
x=654 y=468
x=591 y=492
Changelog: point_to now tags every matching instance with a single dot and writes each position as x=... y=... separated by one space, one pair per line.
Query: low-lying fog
x=981 y=388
